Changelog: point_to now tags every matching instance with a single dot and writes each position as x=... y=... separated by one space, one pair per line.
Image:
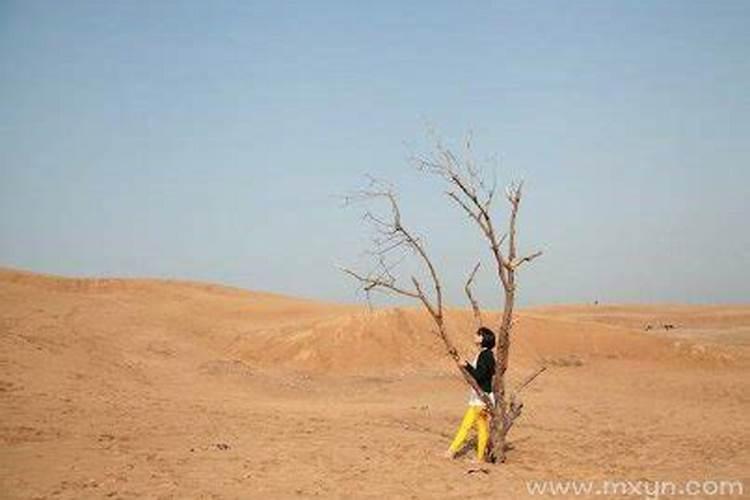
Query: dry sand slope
x=157 y=389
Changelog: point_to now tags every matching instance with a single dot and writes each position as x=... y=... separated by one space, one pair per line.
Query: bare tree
x=468 y=190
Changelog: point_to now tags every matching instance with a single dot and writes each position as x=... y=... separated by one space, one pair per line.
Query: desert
x=374 y=250
x=140 y=388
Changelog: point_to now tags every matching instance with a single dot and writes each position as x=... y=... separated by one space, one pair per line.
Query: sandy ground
x=156 y=389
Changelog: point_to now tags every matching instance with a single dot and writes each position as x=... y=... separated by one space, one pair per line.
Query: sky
x=214 y=140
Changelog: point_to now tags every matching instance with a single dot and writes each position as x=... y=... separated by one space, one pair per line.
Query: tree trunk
x=500 y=416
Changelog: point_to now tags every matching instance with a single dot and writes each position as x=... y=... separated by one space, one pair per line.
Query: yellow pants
x=474 y=415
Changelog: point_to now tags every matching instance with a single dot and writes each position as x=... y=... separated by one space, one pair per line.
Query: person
x=483 y=370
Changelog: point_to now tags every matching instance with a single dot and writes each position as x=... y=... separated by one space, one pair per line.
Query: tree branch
x=369 y=284
x=474 y=304
x=516 y=263
x=393 y=235
x=528 y=380
x=516 y=405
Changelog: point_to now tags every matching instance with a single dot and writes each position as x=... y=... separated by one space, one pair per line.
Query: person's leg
x=463 y=430
x=483 y=433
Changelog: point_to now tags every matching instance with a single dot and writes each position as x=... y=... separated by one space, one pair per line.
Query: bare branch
x=477 y=216
x=516 y=263
x=394 y=235
x=437 y=315
x=529 y=379
x=516 y=405
x=472 y=300
x=514 y=411
x=369 y=284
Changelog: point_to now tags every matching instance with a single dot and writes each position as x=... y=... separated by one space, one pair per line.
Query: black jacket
x=484 y=371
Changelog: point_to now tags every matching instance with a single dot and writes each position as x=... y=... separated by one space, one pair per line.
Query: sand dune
x=166 y=389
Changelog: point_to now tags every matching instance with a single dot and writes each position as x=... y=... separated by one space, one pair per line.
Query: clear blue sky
x=209 y=140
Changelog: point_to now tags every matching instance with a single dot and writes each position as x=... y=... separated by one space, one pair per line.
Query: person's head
x=485 y=338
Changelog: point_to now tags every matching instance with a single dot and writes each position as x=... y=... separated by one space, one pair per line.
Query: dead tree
x=468 y=190
x=471 y=194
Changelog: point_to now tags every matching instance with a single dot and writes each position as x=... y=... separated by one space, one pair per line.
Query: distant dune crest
x=268 y=330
